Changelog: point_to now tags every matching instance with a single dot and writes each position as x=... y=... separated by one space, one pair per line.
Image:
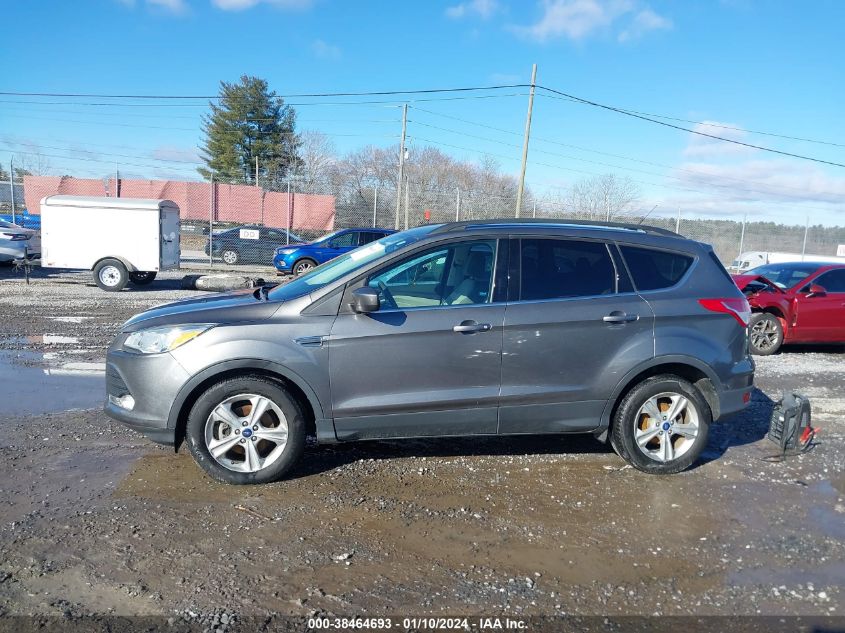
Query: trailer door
x=169 y=238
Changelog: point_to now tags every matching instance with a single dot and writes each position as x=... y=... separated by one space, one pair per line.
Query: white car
x=17 y=242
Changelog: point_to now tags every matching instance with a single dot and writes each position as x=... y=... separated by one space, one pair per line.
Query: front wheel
x=765 y=334
x=303 y=266
x=246 y=430
x=142 y=278
x=661 y=425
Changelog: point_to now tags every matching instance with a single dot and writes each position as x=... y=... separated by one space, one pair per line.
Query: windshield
x=340 y=266
x=785 y=275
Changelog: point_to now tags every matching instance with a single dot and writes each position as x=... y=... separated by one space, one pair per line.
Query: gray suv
x=631 y=333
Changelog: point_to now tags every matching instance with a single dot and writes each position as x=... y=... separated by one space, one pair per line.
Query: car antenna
x=648 y=214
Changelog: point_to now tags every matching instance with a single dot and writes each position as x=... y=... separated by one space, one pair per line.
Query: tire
x=111 y=275
x=302 y=266
x=663 y=452
x=140 y=278
x=765 y=334
x=207 y=427
x=230 y=256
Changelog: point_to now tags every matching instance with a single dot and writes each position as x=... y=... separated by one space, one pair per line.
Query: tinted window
x=342 y=241
x=832 y=281
x=653 y=269
x=367 y=237
x=455 y=274
x=553 y=269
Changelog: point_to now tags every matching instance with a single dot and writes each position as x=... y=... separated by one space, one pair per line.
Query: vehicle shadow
x=323 y=458
x=746 y=427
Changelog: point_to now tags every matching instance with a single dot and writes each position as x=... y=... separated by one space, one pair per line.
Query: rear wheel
x=246 y=430
x=230 y=256
x=661 y=425
x=142 y=278
x=111 y=275
x=765 y=334
x=303 y=266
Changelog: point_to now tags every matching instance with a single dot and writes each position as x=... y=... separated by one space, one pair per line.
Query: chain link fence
x=233 y=225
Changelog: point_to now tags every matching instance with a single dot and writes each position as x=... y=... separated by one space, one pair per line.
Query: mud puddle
x=31 y=390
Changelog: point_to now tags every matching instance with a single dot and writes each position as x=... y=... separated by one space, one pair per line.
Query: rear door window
x=652 y=269
x=557 y=269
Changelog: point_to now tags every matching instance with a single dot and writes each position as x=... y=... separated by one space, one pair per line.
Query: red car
x=794 y=302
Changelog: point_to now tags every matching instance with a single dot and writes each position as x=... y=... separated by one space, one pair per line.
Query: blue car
x=301 y=258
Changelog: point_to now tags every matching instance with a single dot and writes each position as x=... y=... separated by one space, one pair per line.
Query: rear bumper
x=736 y=392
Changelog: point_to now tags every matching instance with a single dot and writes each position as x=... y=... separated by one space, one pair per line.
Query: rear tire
x=140 y=278
x=765 y=334
x=217 y=422
x=111 y=275
x=661 y=425
x=230 y=256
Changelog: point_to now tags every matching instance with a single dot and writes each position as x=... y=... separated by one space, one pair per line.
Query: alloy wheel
x=666 y=426
x=246 y=433
x=764 y=334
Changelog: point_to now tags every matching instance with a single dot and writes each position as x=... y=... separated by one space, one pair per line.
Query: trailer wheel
x=111 y=275
x=140 y=278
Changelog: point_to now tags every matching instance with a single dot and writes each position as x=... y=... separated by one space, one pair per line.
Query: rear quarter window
x=653 y=269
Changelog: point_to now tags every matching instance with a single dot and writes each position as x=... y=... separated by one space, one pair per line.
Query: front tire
x=661 y=425
x=246 y=430
x=303 y=266
x=111 y=275
x=142 y=278
x=765 y=334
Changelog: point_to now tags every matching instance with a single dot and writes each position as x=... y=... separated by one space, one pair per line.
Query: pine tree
x=249 y=121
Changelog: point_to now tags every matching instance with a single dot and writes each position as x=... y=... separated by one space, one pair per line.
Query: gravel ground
x=96 y=519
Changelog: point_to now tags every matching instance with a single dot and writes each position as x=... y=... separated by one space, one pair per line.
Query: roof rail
x=626 y=226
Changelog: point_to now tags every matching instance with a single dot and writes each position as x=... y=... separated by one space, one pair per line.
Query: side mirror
x=816 y=291
x=365 y=299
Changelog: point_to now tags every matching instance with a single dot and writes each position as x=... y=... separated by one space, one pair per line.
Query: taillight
x=16 y=237
x=736 y=307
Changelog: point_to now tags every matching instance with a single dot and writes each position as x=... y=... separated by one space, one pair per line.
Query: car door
x=428 y=361
x=569 y=324
x=271 y=240
x=821 y=317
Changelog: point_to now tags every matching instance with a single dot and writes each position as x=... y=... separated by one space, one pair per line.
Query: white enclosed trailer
x=120 y=239
x=751 y=259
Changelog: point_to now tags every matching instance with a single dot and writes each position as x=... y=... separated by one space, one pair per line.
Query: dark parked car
x=630 y=333
x=795 y=302
x=302 y=258
x=249 y=244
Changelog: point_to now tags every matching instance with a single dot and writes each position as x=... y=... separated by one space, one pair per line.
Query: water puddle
x=32 y=390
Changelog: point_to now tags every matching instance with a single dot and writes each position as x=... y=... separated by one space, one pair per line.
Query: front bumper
x=153 y=381
x=10 y=251
x=283 y=263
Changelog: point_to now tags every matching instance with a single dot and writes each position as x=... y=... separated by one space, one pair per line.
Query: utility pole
x=458 y=206
x=678 y=221
x=534 y=209
x=742 y=234
x=12 y=185
x=287 y=223
x=116 y=181
x=806 y=230
x=375 y=205
x=211 y=222
x=401 y=165
x=407 y=200
x=525 y=142
x=256 y=171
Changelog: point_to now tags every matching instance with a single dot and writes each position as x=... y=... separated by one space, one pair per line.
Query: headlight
x=285 y=251
x=164 y=339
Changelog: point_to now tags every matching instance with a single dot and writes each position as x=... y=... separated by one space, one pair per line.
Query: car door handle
x=617 y=316
x=471 y=327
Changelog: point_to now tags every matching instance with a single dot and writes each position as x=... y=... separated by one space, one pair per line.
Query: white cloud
x=324 y=50
x=173 y=153
x=702 y=146
x=484 y=9
x=644 y=22
x=240 y=5
x=171 y=6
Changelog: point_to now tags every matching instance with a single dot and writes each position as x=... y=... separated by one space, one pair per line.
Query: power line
x=702 y=174
x=691 y=131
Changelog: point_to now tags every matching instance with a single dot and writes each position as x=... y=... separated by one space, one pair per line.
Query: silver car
x=17 y=242
x=630 y=333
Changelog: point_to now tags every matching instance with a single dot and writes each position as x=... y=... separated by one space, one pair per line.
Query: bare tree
x=316 y=160
x=604 y=197
x=31 y=164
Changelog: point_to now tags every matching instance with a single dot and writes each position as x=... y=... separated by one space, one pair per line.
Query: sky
x=733 y=68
